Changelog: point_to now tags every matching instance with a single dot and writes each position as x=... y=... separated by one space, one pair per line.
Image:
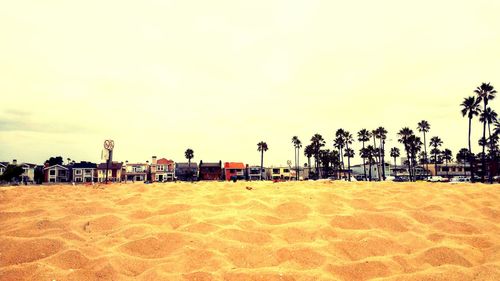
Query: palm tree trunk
x=364 y=162
x=435 y=163
x=484 y=144
x=309 y=167
x=370 y=171
x=409 y=162
x=395 y=171
x=376 y=158
x=492 y=152
x=349 y=167
x=298 y=163
x=471 y=160
x=425 y=158
x=261 y=164
x=382 y=150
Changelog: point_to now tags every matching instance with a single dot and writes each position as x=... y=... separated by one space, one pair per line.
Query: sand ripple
x=271 y=231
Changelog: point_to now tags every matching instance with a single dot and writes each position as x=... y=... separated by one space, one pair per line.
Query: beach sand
x=251 y=231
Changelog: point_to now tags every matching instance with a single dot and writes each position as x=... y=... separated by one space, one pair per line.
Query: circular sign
x=109 y=144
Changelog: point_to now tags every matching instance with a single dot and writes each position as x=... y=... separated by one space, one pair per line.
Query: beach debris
x=249 y=188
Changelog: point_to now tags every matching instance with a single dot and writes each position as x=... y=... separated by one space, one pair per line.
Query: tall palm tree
x=189 y=154
x=369 y=153
x=339 y=143
x=415 y=145
x=436 y=142
x=262 y=147
x=382 y=136
x=363 y=136
x=297 y=144
x=349 y=153
x=395 y=154
x=309 y=152
x=404 y=135
x=424 y=127
x=463 y=157
x=485 y=93
x=317 y=142
x=447 y=156
x=470 y=108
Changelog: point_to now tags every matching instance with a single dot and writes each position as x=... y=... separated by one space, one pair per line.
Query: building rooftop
x=164 y=161
x=112 y=166
x=234 y=165
x=84 y=165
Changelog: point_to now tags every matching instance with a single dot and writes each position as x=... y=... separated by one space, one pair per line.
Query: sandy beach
x=251 y=231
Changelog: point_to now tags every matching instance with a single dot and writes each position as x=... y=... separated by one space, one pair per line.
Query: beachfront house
x=84 y=172
x=3 y=167
x=234 y=170
x=56 y=173
x=186 y=171
x=114 y=172
x=162 y=170
x=136 y=171
x=453 y=169
x=254 y=173
x=210 y=171
x=28 y=172
x=279 y=173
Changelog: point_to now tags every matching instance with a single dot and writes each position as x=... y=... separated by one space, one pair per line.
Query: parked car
x=401 y=179
x=435 y=179
x=460 y=179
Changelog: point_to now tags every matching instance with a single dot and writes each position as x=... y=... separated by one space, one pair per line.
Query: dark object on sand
x=249 y=188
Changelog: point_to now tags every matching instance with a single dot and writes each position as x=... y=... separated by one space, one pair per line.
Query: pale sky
x=220 y=76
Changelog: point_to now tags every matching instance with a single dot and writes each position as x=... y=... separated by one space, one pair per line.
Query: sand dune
x=271 y=231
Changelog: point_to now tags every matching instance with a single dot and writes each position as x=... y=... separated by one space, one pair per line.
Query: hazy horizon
x=159 y=77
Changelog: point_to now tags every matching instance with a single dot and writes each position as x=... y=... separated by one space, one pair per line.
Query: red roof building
x=234 y=170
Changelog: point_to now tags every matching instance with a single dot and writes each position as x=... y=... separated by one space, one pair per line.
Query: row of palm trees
x=471 y=107
x=374 y=155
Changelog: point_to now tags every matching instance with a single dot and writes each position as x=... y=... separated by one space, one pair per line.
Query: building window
x=160 y=168
x=287 y=170
x=78 y=172
x=276 y=171
x=52 y=172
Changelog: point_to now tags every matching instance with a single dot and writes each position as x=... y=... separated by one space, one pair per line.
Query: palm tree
x=348 y=140
x=395 y=154
x=436 y=142
x=485 y=93
x=297 y=144
x=309 y=152
x=262 y=147
x=349 y=153
x=382 y=135
x=470 y=108
x=339 y=143
x=404 y=135
x=375 y=151
x=369 y=153
x=447 y=156
x=462 y=157
x=424 y=127
x=415 y=145
x=363 y=136
x=189 y=154
x=317 y=142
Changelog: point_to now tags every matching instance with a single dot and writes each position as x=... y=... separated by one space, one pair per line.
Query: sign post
x=108 y=146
